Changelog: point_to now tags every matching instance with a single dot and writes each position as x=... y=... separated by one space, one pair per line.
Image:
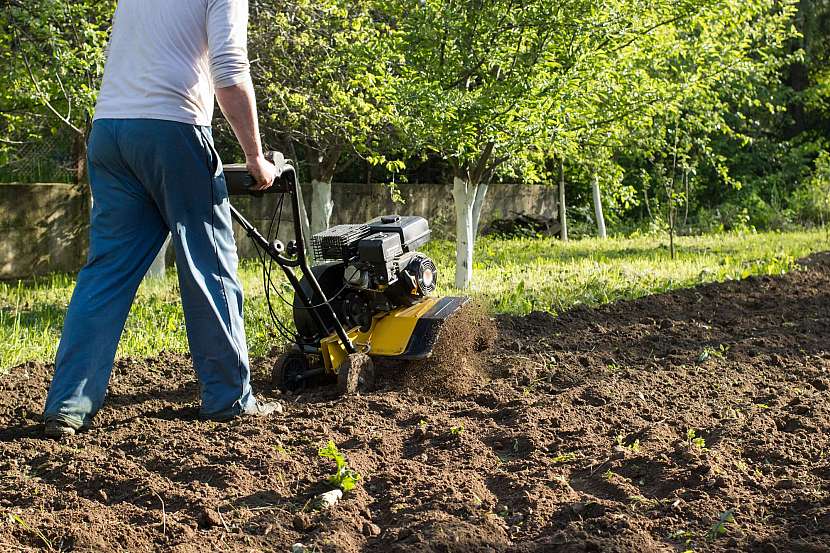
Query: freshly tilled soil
x=692 y=420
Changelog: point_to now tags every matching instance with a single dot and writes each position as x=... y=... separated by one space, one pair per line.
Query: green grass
x=511 y=275
x=523 y=275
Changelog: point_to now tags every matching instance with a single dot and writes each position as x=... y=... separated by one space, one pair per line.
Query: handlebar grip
x=240 y=182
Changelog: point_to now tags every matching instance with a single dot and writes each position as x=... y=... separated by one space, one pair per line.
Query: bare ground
x=577 y=436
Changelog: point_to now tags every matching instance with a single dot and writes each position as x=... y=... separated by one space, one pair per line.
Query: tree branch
x=45 y=101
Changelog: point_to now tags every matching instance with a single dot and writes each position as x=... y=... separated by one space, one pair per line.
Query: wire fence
x=46 y=160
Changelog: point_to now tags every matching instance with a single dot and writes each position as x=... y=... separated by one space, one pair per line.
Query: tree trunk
x=322 y=168
x=78 y=158
x=321 y=205
x=598 y=205
x=468 y=194
x=464 y=196
x=158 y=266
x=306 y=227
x=671 y=228
x=563 y=211
x=673 y=182
x=686 y=201
x=478 y=202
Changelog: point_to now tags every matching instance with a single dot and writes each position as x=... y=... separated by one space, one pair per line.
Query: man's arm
x=238 y=103
x=227 y=22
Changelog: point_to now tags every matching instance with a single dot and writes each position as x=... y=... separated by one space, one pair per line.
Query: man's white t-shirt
x=165 y=57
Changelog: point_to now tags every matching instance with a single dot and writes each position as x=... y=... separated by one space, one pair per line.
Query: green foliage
x=344 y=477
x=644 y=96
x=693 y=115
x=812 y=200
x=51 y=62
x=466 y=71
x=325 y=86
x=755 y=147
x=712 y=91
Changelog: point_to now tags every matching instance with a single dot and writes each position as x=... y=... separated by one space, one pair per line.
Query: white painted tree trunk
x=478 y=202
x=464 y=195
x=321 y=205
x=306 y=226
x=598 y=206
x=563 y=211
x=158 y=266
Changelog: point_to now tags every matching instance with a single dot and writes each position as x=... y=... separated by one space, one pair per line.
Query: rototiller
x=368 y=295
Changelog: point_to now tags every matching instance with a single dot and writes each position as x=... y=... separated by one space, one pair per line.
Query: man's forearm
x=238 y=103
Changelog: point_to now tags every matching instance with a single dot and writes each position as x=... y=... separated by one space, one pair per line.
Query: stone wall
x=357 y=203
x=44 y=226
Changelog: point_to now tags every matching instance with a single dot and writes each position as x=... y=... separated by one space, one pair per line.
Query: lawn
x=515 y=275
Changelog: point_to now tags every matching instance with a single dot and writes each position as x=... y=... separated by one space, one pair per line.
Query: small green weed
x=645 y=502
x=344 y=478
x=681 y=535
x=693 y=440
x=563 y=458
x=634 y=446
x=709 y=352
x=457 y=430
x=719 y=528
x=15 y=518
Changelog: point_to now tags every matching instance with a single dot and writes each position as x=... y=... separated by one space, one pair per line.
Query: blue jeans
x=148 y=178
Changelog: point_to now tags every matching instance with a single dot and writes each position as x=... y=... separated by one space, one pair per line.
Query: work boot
x=262 y=409
x=57 y=429
x=258 y=409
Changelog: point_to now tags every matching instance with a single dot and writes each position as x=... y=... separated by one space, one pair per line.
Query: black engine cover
x=330 y=277
x=413 y=230
x=354 y=307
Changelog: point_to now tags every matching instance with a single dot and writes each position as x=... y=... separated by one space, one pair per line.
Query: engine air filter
x=339 y=242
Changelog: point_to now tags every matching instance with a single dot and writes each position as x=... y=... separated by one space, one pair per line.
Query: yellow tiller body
x=370 y=294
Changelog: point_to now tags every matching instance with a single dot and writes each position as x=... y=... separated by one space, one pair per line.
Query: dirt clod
x=301 y=522
x=209 y=518
x=370 y=529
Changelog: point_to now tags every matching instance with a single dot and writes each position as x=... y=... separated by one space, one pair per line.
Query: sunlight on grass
x=521 y=275
x=511 y=275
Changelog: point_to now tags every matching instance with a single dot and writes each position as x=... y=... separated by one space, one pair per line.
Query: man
x=153 y=169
